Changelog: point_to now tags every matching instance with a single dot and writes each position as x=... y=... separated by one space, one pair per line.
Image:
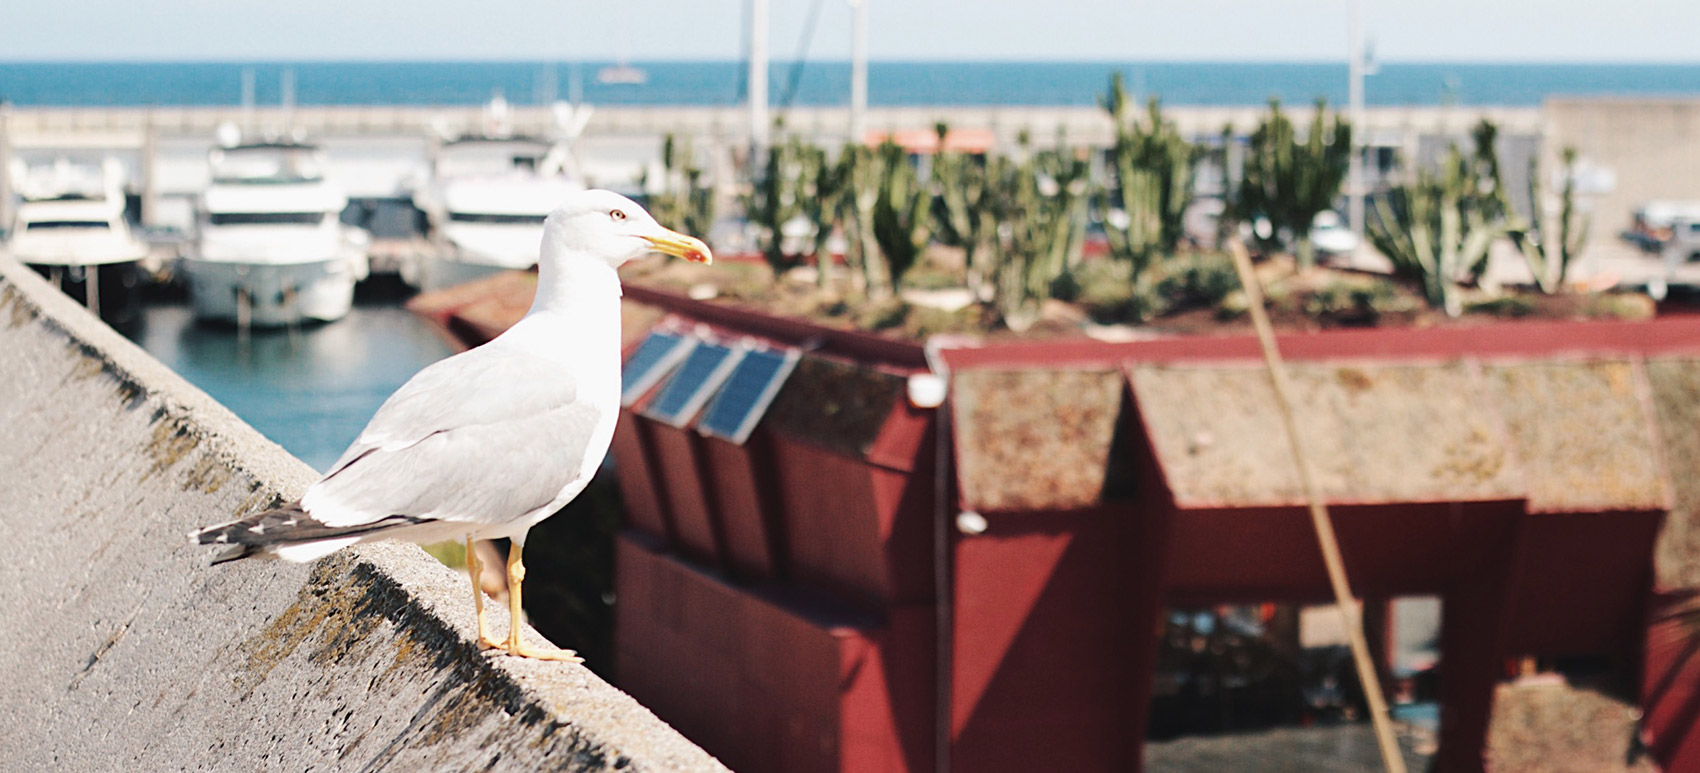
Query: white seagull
x=489 y=442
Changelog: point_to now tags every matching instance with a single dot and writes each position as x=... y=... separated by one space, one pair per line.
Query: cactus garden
x=1049 y=237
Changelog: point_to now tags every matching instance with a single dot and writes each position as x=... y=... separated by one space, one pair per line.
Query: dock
x=1631 y=150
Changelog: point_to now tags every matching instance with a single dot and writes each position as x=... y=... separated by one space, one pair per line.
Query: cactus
x=683 y=197
x=775 y=198
x=1228 y=221
x=902 y=217
x=824 y=184
x=1550 y=255
x=855 y=181
x=964 y=216
x=1288 y=182
x=1041 y=206
x=1153 y=164
x=1437 y=230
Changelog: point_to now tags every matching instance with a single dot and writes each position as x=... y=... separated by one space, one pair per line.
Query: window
x=266 y=218
x=50 y=225
x=493 y=219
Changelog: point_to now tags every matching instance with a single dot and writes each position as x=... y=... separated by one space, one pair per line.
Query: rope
x=802 y=57
x=1343 y=599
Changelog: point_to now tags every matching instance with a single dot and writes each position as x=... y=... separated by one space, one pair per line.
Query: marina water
x=310 y=389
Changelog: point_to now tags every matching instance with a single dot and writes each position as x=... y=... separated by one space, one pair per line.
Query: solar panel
x=693 y=382
x=741 y=402
x=653 y=360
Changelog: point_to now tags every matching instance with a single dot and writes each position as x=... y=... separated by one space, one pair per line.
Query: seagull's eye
x=617 y=215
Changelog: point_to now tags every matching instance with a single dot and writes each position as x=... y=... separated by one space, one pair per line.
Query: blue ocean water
x=310 y=390
x=827 y=83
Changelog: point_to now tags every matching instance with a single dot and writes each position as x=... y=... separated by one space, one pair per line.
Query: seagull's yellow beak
x=680 y=246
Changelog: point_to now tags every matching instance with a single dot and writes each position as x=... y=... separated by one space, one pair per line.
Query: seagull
x=491 y=441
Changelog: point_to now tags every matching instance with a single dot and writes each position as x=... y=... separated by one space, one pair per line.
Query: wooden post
x=1390 y=755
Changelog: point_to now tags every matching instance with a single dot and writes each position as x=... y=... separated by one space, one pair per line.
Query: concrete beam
x=122 y=649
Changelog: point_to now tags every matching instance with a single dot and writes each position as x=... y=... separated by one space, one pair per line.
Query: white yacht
x=269 y=247
x=485 y=205
x=622 y=74
x=70 y=226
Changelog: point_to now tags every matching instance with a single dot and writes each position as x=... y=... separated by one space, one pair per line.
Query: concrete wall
x=121 y=649
x=1652 y=146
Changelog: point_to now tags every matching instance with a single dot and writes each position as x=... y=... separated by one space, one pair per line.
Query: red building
x=820 y=575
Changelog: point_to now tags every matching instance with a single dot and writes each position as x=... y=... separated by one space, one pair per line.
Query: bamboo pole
x=1343 y=599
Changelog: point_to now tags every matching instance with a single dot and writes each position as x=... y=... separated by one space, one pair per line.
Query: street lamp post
x=1355 y=171
x=858 y=69
x=758 y=74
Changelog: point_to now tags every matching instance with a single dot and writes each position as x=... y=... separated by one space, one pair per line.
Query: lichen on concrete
x=1035 y=439
x=171 y=439
x=1583 y=431
x=1373 y=433
x=1676 y=399
x=123 y=648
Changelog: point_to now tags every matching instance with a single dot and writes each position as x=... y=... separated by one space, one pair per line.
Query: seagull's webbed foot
x=516 y=617
x=521 y=649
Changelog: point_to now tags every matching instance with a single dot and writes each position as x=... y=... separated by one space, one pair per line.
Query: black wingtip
x=236 y=553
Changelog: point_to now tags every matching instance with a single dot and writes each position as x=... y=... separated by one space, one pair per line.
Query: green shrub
x=1197 y=279
x=1354 y=302
x=1511 y=306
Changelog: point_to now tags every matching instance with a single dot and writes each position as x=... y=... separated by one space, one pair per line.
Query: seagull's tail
x=287 y=532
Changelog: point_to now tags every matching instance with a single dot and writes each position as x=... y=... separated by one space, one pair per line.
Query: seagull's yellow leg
x=516 y=616
x=474 y=570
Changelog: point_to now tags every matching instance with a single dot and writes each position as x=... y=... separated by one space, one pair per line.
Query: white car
x=1331 y=235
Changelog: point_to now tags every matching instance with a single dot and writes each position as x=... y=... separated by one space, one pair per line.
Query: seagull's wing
x=479 y=386
x=481 y=438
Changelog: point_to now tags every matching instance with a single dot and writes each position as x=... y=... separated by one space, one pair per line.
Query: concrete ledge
x=121 y=649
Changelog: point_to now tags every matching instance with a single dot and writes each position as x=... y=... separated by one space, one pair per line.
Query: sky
x=1660 y=31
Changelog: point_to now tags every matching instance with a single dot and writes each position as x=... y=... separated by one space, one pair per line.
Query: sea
x=311 y=388
x=825 y=83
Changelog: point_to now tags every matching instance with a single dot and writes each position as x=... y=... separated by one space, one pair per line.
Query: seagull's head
x=614 y=228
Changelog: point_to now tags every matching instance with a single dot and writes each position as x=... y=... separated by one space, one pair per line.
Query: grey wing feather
x=486 y=434
x=481 y=386
x=483 y=473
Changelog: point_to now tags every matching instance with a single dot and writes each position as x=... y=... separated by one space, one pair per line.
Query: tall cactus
x=857 y=182
x=1227 y=223
x=965 y=215
x=1437 y=230
x=1288 y=182
x=1041 y=205
x=1550 y=254
x=1153 y=166
x=902 y=217
x=683 y=197
x=775 y=198
x=821 y=183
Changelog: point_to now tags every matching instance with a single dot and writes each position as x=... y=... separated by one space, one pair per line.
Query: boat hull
x=271 y=294
x=112 y=290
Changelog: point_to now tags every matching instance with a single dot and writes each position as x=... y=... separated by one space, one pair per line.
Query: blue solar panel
x=741 y=402
x=653 y=360
x=690 y=386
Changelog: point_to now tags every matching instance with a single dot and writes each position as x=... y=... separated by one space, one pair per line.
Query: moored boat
x=269 y=247
x=486 y=203
x=70 y=226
